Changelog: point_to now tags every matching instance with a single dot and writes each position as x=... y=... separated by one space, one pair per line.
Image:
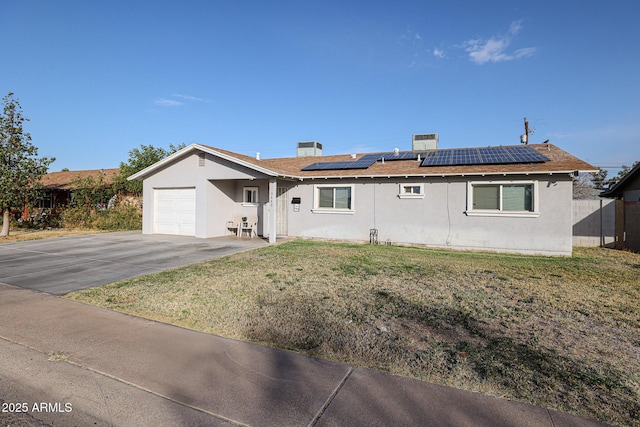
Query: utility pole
x=524 y=139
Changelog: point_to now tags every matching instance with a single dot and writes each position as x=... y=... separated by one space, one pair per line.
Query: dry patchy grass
x=558 y=332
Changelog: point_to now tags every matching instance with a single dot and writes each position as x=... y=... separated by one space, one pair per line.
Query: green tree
x=91 y=194
x=140 y=158
x=599 y=179
x=90 y=198
x=624 y=171
x=20 y=168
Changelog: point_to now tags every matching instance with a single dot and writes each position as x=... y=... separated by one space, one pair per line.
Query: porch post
x=272 y=210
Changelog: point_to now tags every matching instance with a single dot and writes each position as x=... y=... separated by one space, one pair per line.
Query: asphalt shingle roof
x=65 y=180
x=559 y=161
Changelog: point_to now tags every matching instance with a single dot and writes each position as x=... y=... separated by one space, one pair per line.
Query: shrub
x=120 y=217
x=76 y=217
x=123 y=215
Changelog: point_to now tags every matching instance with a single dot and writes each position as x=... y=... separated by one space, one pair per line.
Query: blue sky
x=98 y=78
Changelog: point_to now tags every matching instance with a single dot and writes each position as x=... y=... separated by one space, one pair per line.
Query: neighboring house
x=627 y=193
x=58 y=186
x=507 y=199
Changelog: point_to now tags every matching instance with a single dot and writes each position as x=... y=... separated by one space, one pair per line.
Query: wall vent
x=311 y=148
x=424 y=141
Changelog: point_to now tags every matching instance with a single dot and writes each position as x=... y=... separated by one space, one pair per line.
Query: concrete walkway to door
x=66 y=264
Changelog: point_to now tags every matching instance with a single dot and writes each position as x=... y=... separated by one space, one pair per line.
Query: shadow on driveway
x=67 y=264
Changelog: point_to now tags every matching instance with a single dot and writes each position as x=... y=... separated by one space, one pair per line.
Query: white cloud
x=515 y=27
x=439 y=53
x=524 y=52
x=162 y=102
x=189 y=98
x=179 y=102
x=495 y=49
x=411 y=37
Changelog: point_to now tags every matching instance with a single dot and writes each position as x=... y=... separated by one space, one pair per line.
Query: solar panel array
x=363 y=162
x=446 y=157
x=483 y=156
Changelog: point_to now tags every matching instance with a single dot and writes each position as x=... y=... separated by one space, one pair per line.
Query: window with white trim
x=250 y=195
x=333 y=198
x=504 y=198
x=411 y=191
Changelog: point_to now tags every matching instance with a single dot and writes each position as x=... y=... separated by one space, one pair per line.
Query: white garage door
x=175 y=211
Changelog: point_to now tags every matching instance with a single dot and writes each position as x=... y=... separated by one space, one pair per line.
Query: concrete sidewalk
x=73 y=364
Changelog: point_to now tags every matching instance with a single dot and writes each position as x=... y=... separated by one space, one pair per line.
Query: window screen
x=486 y=197
x=517 y=198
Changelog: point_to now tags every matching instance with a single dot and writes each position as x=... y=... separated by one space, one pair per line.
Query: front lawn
x=558 y=332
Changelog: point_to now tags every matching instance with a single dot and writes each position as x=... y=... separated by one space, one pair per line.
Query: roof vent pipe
x=258 y=155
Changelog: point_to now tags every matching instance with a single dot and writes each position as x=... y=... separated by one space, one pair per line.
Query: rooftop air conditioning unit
x=424 y=141
x=306 y=149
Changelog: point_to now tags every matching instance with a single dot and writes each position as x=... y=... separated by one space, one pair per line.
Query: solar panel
x=369 y=158
x=437 y=158
x=494 y=155
x=359 y=164
x=524 y=154
x=465 y=157
x=323 y=166
x=401 y=155
x=363 y=163
x=483 y=156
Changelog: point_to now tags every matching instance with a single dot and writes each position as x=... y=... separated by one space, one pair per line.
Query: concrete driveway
x=62 y=265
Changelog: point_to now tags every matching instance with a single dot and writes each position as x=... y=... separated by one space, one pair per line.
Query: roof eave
x=616 y=190
x=417 y=175
x=141 y=175
x=238 y=161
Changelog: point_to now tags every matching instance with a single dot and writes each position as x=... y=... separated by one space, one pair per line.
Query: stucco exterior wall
x=218 y=185
x=220 y=201
x=440 y=219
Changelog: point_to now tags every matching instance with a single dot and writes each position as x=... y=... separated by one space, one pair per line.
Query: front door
x=281 y=211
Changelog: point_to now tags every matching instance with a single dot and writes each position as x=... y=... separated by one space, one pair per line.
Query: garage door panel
x=175 y=211
x=163 y=205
